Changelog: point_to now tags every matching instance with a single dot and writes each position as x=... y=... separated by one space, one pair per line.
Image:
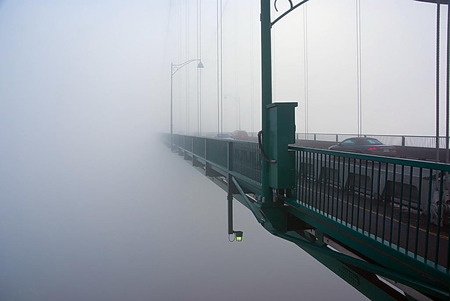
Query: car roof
x=364 y=140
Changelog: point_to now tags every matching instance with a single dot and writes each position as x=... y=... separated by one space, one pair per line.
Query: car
x=239 y=135
x=224 y=136
x=364 y=145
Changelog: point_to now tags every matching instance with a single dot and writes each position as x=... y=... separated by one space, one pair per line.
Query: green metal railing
x=246 y=159
x=398 y=140
x=392 y=214
x=402 y=204
x=239 y=157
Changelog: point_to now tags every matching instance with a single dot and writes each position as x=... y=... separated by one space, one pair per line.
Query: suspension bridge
x=380 y=223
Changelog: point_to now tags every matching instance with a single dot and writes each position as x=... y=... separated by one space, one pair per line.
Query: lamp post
x=173 y=69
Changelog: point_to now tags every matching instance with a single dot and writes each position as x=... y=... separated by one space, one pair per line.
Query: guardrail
x=240 y=157
x=392 y=214
x=398 y=140
x=403 y=204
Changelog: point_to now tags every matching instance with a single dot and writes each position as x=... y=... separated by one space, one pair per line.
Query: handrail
x=383 y=159
x=393 y=214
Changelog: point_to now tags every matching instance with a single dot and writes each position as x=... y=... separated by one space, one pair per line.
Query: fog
x=132 y=224
x=398 y=55
x=94 y=207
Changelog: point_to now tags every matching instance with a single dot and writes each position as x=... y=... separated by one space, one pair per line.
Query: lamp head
x=238 y=235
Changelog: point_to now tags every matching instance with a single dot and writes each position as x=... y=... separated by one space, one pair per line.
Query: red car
x=239 y=135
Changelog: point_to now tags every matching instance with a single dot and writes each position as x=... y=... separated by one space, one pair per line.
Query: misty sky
x=398 y=65
x=93 y=208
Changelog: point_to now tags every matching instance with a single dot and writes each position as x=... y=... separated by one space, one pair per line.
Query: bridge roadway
x=391 y=215
x=408 y=152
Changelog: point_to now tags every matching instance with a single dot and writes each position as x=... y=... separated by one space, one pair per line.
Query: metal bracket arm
x=255 y=210
x=288 y=11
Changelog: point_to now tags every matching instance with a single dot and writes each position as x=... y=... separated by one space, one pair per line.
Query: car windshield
x=370 y=141
x=361 y=141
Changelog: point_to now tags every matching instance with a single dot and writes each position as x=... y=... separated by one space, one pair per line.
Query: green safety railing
x=401 y=204
x=392 y=213
x=239 y=157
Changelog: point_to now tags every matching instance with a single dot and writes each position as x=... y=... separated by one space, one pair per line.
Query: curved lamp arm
x=176 y=67
x=288 y=11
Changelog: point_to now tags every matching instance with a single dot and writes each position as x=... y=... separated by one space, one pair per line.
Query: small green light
x=239 y=235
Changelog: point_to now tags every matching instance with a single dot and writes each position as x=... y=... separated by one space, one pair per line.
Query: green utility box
x=281 y=133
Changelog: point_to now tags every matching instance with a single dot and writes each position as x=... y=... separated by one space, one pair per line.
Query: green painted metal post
x=282 y=131
x=266 y=93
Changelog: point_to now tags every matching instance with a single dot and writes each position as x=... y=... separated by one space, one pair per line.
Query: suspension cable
x=221 y=66
x=305 y=62
x=252 y=68
x=218 y=71
x=199 y=70
x=447 y=117
x=187 y=70
x=438 y=42
x=358 y=66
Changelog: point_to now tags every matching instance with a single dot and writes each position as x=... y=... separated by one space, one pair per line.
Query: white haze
x=92 y=207
x=398 y=41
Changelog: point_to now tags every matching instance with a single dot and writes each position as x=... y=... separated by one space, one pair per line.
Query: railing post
x=204 y=147
x=230 y=156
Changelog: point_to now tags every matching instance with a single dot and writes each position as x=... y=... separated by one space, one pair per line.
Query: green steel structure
x=381 y=224
x=377 y=222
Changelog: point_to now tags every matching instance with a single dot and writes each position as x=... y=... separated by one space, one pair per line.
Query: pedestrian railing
x=393 y=212
x=404 y=204
x=398 y=140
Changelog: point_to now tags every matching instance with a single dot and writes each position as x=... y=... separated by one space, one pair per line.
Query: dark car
x=364 y=145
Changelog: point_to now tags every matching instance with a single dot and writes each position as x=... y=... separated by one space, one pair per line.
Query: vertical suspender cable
x=199 y=70
x=235 y=67
x=180 y=58
x=252 y=67
x=358 y=65
x=187 y=69
x=217 y=67
x=167 y=35
x=447 y=117
x=305 y=62
x=221 y=66
x=438 y=33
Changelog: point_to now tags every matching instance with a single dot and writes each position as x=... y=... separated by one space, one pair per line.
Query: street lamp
x=173 y=69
